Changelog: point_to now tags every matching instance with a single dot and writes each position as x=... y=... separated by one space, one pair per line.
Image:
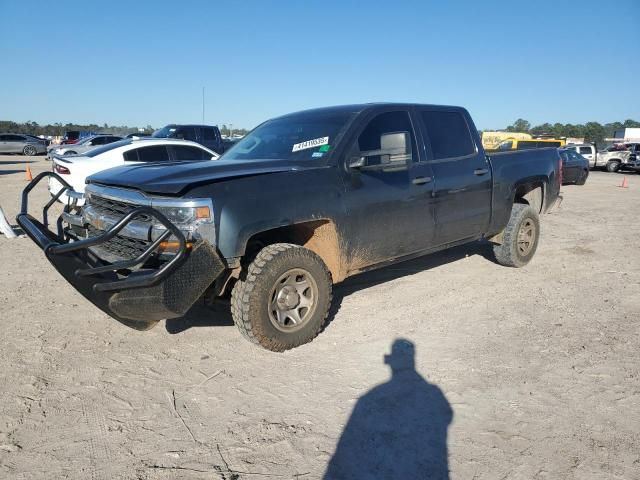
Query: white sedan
x=76 y=168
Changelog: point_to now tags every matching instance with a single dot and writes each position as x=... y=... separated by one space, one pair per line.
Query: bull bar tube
x=125 y=290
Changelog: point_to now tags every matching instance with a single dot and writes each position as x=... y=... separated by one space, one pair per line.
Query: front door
x=389 y=210
x=463 y=185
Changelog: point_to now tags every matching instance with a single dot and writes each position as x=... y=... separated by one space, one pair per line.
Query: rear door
x=462 y=177
x=390 y=210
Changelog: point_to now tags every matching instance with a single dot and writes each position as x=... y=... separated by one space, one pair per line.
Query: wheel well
x=531 y=194
x=319 y=236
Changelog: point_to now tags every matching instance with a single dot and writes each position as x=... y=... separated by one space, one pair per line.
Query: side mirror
x=394 y=153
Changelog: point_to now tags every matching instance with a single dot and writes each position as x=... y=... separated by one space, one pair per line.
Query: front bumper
x=130 y=290
x=633 y=166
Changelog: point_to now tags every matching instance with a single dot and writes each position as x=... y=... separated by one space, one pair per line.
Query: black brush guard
x=136 y=296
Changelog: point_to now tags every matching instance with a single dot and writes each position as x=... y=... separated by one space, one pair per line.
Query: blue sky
x=142 y=62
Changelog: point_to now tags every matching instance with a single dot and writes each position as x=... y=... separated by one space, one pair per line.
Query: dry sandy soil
x=529 y=373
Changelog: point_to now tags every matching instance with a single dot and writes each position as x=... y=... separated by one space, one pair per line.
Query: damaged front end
x=138 y=289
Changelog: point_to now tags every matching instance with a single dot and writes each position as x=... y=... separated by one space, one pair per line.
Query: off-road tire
x=250 y=296
x=613 y=167
x=29 y=150
x=508 y=253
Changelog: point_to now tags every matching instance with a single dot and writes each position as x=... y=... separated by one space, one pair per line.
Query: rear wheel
x=284 y=300
x=613 y=166
x=520 y=239
x=29 y=150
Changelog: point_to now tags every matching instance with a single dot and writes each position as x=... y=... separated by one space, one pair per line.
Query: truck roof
x=361 y=107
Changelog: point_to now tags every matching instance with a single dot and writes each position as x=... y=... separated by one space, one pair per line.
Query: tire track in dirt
x=101 y=462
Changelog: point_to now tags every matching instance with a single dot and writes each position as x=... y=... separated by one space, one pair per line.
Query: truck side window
x=448 y=133
x=389 y=122
x=585 y=150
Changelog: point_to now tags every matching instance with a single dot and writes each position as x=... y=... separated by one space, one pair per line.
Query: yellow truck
x=531 y=143
x=491 y=140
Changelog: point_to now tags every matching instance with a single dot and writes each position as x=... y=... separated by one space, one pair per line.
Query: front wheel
x=520 y=239
x=283 y=302
x=613 y=167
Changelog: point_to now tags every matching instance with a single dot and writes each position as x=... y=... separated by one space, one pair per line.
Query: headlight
x=186 y=215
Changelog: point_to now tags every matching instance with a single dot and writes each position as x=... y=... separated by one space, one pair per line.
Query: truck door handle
x=421 y=180
x=481 y=171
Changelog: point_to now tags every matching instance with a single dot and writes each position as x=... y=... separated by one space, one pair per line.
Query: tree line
x=592 y=132
x=58 y=129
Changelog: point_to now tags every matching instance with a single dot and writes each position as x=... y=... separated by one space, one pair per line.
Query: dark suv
x=203 y=134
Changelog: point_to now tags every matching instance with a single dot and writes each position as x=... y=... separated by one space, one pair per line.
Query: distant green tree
x=520 y=125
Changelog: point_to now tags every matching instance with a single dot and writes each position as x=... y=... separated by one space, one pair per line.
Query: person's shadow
x=397 y=430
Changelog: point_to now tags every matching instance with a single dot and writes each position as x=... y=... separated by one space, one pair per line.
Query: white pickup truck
x=612 y=159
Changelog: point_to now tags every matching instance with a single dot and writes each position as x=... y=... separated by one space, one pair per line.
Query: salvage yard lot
x=540 y=366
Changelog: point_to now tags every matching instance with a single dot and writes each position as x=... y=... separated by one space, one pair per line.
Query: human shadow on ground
x=397 y=430
x=220 y=315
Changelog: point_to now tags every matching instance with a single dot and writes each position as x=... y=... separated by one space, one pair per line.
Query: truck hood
x=172 y=178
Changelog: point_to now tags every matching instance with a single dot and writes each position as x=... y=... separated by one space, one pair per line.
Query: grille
x=114 y=207
x=121 y=247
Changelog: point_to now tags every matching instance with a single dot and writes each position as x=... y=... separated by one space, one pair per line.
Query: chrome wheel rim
x=293 y=300
x=30 y=151
x=526 y=237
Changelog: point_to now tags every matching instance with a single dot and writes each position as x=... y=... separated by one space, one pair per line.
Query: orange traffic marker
x=28 y=175
x=625 y=183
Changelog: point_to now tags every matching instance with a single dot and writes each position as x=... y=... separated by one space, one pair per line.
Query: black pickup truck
x=301 y=203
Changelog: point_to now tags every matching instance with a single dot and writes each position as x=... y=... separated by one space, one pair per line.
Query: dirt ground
x=529 y=373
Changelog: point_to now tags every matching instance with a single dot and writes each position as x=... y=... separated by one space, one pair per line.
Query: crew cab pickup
x=299 y=204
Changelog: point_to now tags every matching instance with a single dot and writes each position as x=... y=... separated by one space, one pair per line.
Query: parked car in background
x=77 y=168
x=587 y=150
x=575 y=167
x=206 y=135
x=617 y=156
x=74 y=136
x=82 y=146
x=19 y=143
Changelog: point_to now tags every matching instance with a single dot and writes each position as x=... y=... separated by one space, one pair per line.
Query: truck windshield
x=303 y=136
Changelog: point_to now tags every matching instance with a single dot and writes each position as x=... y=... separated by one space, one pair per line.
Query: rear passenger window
x=188 y=133
x=584 y=150
x=155 y=153
x=131 y=155
x=208 y=133
x=182 y=152
x=448 y=134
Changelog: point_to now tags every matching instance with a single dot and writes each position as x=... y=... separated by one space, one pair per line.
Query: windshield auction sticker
x=316 y=142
